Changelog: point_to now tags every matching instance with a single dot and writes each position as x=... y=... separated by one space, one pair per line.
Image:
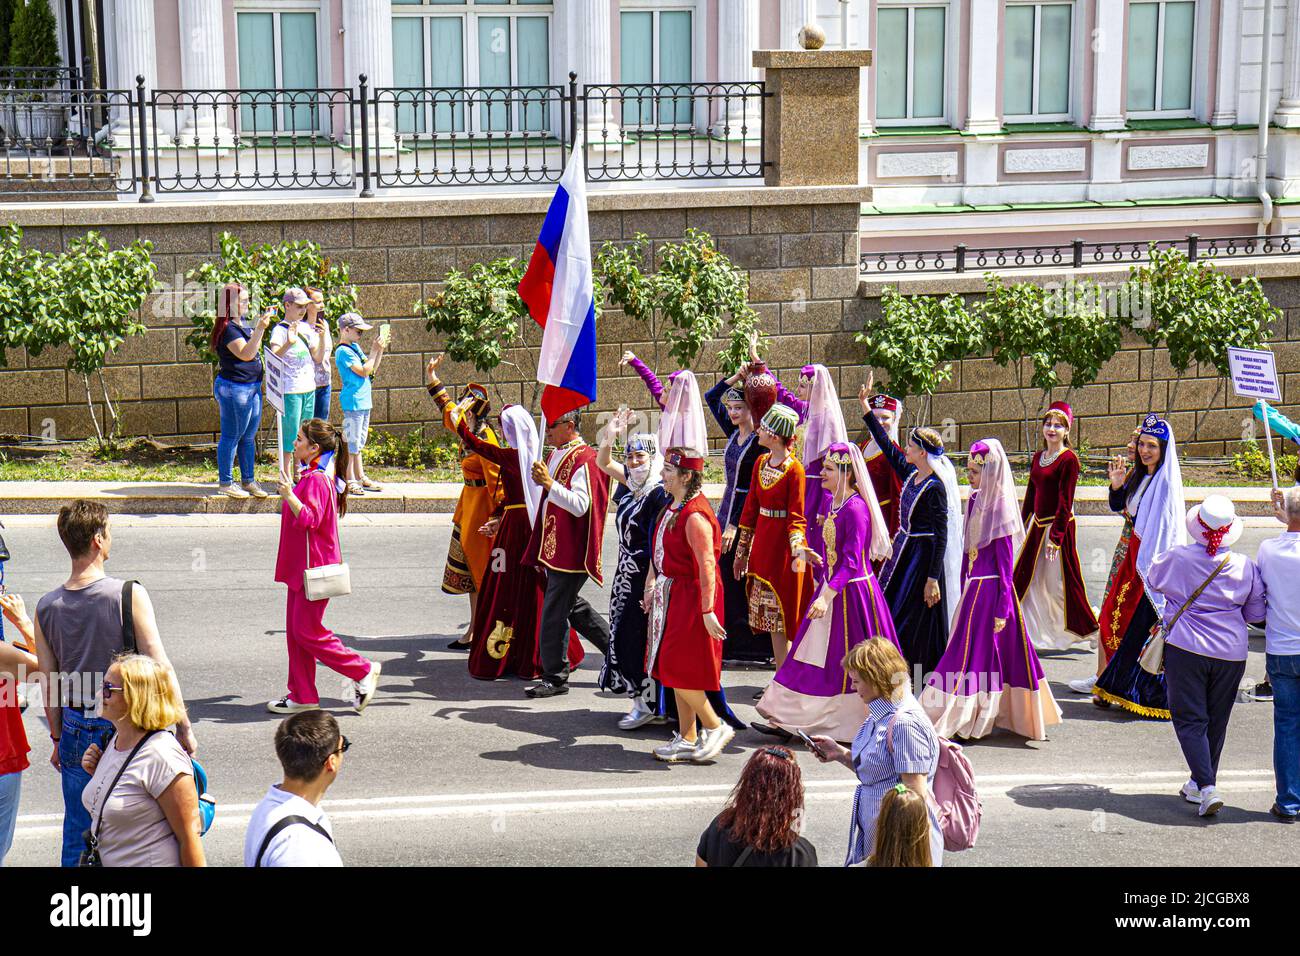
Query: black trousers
x=1202 y=691
x=563 y=608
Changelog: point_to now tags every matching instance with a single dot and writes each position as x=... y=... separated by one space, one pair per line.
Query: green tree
x=1197 y=313
x=7 y=10
x=1018 y=330
x=22 y=311
x=33 y=38
x=479 y=313
x=916 y=340
x=266 y=270
x=696 y=290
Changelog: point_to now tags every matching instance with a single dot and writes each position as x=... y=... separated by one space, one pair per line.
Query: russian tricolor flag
x=557 y=289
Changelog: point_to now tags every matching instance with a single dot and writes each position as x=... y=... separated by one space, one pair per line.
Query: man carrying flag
x=570 y=525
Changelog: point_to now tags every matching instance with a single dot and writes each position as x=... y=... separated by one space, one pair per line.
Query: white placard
x=277 y=375
x=1254 y=374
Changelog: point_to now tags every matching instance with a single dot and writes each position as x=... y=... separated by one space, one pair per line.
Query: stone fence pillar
x=810 y=122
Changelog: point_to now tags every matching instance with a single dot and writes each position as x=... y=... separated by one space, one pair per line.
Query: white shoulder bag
x=329 y=580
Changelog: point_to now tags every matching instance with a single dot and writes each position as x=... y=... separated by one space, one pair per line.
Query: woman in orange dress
x=772 y=535
x=469 y=551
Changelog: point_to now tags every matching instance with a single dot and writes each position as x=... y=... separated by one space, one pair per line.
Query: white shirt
x=575 y=499
x=1278 y=560
x=295 y=845
x=298 y=361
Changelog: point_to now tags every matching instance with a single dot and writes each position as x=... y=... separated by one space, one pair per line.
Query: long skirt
x=922 y=631
x=1045 y=598
x=1124 y=682
x=742 y=644
x=989 y=679
x=624 y=669
x=811 y=691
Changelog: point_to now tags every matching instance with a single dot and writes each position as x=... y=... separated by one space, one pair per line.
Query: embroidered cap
x=781 y=420
x=885 y=403
x=838 y=454
x=478 y=395
x=808 y=372
x=641 y=441
x=979 y=452
x=1064 y=410
x=1156 y=427
x=732 y=394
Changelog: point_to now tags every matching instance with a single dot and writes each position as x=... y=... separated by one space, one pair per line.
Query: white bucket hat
x=1215 y=513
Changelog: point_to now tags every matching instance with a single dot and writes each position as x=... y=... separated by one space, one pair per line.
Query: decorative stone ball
x=812 y=37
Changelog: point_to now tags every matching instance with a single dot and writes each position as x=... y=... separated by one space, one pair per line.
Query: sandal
x=372 y=485
x=354 y=488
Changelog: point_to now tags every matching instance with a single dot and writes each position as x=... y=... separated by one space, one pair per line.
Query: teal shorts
x=297 y=410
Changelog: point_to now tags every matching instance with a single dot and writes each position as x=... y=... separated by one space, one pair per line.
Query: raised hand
x=431 y=370
x=626 y=359
x=1118 y=471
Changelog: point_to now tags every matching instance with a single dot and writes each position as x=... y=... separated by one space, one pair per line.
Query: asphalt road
x=448 y=770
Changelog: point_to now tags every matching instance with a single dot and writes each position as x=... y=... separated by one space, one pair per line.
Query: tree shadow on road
x=1156 y=808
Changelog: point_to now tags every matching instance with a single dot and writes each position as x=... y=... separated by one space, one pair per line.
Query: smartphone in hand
x=808 y=742
x=385 y=334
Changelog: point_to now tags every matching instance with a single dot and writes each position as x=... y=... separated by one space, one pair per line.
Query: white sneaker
x=1190 y=792
x=638 y=716
x=712 y=742
x=1211 y=802
x=256 y=490
x=287 y=705
x=1083 y=685
x=366 y=687
x=232 y=491
x=676 y=750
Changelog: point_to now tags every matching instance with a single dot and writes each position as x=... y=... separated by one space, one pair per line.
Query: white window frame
x=469 y=14
x=1035 y=116
x=945 y=116
x=322 y=55
x=1158 y=113
x=655 y=8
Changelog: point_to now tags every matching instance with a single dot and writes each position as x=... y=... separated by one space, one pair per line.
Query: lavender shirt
x=1215 y=624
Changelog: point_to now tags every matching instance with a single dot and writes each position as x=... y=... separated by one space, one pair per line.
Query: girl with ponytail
x=309 y=537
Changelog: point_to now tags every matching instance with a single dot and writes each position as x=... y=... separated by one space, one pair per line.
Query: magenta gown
x=988 y=679
x=811 y=691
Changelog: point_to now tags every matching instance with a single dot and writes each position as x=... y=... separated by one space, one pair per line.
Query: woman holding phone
x=296 y=343
x=237 y=389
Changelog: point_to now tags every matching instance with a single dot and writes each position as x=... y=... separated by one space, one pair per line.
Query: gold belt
x=513 y=507
x=771 y=513
x=475 y=482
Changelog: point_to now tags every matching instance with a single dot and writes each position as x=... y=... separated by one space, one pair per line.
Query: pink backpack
x=957 y=805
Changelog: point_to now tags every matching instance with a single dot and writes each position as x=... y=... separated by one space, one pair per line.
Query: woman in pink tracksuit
x=309 y=522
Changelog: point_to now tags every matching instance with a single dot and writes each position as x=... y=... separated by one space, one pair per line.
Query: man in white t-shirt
x=288 y=828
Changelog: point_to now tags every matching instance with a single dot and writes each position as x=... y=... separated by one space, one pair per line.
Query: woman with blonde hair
x=143 y=804
x=902 y=830
x=896 y=744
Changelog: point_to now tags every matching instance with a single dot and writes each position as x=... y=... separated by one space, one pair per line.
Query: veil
x=1161 y=521
x=881 y=545
x=521 y=435
x=682 y=423
x=825 y=417
x=994 y=513
x=944 y=471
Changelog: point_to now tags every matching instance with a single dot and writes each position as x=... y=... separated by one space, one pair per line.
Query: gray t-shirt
x=84 y=629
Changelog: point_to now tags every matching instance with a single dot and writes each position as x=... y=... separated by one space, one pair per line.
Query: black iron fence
x=1072 y=255
x=141 y=143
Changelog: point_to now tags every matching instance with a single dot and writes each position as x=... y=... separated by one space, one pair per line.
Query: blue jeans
x=240 y=404
x=322 y=410
x=10 y=786
x=1284 y=674
x=78 y=734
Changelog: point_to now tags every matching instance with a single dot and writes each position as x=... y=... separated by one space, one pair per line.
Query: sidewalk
x=45 y=497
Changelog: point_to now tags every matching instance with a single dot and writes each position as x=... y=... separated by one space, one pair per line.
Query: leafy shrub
x=413 y=449
x=1251 y=462
x=479 y=313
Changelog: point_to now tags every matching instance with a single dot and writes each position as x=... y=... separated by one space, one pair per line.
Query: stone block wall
x=799 y=245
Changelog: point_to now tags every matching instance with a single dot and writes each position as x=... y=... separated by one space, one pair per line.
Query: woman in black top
x=238 y=389
x=727 y=403
x=764 y=814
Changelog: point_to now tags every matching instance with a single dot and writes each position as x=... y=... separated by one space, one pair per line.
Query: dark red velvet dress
x=1049 y=511
x=689 y=658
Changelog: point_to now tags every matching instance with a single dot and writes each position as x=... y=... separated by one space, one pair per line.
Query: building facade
x=979 y=119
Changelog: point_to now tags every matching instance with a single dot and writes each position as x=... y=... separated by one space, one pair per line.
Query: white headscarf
x=1161 y=521
x=825 y=417
x=521 y=434
x=654 y=477
x=881 y=544
x=944 y=471
x=682 y=423
x=994 y=511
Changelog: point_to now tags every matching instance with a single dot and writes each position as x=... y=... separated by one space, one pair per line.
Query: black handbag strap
x=744 y=856
x=128 y=617
x=99 y=819
x=282 y=824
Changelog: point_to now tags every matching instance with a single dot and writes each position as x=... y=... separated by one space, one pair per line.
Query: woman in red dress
x=884 y=480
x=1049 y=580
x=772 y=538
x=684 y=601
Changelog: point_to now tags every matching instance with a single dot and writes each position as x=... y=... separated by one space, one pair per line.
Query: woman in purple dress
x=811 y=691
x=990 y=675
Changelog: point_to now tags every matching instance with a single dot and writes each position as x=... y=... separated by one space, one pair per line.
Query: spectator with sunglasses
x=143 y=805
x=288 y=828
x=761 y=823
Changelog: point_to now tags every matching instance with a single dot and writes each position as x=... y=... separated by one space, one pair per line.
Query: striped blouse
x=915 y=749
